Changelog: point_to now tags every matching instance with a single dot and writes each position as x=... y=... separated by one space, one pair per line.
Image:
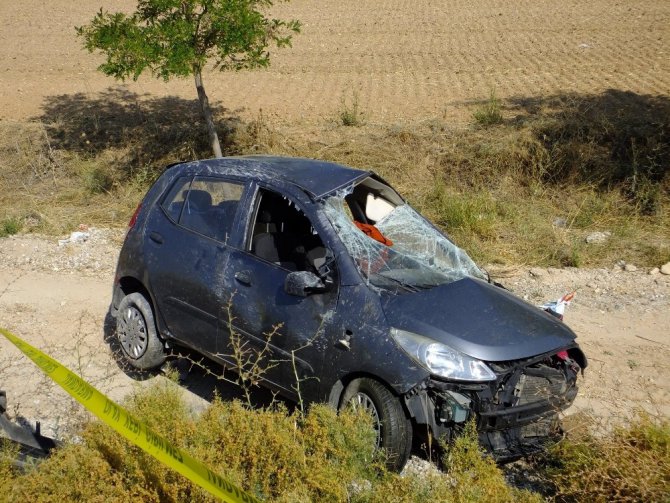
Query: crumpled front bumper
x=516 y=415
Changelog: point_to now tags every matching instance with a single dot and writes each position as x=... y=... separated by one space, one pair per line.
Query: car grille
x=540 y=383
x=518 y=414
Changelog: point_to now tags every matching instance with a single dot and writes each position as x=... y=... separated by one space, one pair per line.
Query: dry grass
x=526 y=191
x=630 y=464
x=54 y=190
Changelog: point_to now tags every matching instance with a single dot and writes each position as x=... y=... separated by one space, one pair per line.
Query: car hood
x=478 y=319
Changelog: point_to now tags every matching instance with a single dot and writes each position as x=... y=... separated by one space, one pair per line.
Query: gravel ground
x=94 y=255
x=618 y=288
x=615 y=289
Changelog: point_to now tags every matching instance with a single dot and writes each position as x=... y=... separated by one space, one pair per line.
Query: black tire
x=394 y=429
x=136 y=333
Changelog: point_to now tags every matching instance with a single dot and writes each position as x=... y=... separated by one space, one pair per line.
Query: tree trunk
x=207 y=113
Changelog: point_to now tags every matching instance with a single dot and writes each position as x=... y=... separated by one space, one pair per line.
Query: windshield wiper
x=407 y=286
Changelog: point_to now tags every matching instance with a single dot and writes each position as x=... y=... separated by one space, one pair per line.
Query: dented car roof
x=317 y=178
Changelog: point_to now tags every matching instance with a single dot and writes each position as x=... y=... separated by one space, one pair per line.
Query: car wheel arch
x=340 y=386
x=130 y=284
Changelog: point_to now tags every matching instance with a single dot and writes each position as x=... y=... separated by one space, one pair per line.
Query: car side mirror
x=303 y=283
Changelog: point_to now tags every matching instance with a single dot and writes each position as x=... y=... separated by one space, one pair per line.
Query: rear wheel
x=137 y=334
x=393 y=428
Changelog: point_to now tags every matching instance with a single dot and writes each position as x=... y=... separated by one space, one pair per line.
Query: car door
x=280 y=239
x=186 y=254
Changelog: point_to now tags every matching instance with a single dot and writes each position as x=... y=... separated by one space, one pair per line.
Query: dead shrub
x=630 y=464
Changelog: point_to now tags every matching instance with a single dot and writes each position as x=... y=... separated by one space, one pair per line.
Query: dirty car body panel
x=350 y=295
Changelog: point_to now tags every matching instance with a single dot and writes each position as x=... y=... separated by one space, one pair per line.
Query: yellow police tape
x=135 y=431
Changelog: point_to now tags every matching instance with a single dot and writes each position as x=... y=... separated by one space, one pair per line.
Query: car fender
x=363 y=347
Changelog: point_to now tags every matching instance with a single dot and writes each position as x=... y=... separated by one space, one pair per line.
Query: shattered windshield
x=400 y=250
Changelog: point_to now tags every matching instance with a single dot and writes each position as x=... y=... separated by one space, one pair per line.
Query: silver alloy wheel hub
x=364 y=402
x=132 y=332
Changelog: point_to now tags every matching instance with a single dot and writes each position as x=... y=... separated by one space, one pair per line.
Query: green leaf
x=172 y=38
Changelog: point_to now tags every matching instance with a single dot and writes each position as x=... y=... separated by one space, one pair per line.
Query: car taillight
x=133 y=219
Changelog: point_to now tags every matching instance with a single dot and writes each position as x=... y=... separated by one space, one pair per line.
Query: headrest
x=376 y=208
x=264 y=217
x=199 y=200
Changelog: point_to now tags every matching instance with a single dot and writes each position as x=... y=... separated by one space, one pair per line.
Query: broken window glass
x=282 y=234
x=419 y=256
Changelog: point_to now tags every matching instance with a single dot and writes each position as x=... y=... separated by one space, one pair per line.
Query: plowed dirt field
x=405 y=59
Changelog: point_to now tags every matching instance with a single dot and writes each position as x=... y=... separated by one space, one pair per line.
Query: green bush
x=489 y=113
x=322 y=456
x=97 y=180
x=9 y=226
x=350 y=114
x=477 y=477
x=8 y=452
x=270 y=452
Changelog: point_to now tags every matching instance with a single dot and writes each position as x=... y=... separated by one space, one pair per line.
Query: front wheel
x=393 y=428
x=137 y=334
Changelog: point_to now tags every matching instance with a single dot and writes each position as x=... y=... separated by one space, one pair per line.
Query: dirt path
x=56 y=298
x=63 y=315
x=622 y=319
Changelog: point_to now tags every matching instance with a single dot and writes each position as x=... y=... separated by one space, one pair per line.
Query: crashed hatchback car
x=365 y=302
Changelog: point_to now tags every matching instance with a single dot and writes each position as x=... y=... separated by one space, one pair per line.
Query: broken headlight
x=440 y=359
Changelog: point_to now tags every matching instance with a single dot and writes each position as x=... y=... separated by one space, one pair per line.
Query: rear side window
x=204 y=205
x=174 y=201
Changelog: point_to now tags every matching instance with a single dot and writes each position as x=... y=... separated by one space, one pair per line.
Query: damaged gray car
x=367 y=303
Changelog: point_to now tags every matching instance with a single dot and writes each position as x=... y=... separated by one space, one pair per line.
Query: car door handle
x=156 y=238
x=243 y=277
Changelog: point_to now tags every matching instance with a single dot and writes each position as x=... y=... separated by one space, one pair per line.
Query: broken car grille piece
x=538 y=384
